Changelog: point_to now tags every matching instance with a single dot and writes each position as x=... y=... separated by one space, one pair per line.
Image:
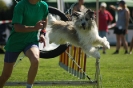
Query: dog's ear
x=76 y=14
x=91 y=13
x=88 y=10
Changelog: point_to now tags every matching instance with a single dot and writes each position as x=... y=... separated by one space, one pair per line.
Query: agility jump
x=75 y=65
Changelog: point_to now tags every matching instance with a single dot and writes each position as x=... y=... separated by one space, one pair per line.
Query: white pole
x=60 y=5
x=97 y=10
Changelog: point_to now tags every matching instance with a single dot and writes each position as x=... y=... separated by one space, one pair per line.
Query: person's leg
x=6 y=73
x=33 y=54
x=131 y=46
x=118 y=43
x=10 y=58
x=100 y=33
x=125 y=44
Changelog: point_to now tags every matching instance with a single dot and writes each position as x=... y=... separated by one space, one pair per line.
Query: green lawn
x=116 y=71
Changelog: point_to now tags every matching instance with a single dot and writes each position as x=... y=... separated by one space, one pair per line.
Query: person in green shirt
x=28 y=17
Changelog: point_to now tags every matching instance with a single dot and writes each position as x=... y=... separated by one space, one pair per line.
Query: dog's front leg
x=91 y=51
x=103 y=41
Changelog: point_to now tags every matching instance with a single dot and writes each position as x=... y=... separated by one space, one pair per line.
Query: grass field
x=116 y=71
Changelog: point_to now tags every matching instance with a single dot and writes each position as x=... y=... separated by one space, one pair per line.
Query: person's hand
x=39 y=25
x=42 y=39
x=112 y=6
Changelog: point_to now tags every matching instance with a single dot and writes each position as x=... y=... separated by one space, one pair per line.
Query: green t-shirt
x=26 y=14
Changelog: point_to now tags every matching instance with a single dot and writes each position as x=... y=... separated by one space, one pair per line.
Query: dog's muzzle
x=83 y=25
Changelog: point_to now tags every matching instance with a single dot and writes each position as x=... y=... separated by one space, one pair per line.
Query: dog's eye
x=86 y=19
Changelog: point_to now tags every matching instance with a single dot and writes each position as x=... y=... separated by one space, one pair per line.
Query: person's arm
x=127 y=18
x=74 y=9
x=45 y=23
x=22 y=28
x=43 y=32
x=110 y=17
x=17 y=19
x=113 y=7
x=43 y=29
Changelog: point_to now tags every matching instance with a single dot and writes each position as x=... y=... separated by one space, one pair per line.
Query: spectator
x=131 y=43
x=80 y=6
x=104 y=19
x=29 y=16
x=121 y=25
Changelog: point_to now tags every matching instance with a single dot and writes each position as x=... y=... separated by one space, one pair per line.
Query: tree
x=5 y=4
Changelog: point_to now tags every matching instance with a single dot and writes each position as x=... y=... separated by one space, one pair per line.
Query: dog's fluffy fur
x=81 y=32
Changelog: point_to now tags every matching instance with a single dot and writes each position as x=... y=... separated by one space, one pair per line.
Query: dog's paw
x=106 y=43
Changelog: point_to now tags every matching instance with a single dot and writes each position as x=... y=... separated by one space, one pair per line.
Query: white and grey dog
x=81 y=32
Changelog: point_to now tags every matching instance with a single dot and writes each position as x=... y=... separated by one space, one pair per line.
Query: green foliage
x=116 y=71
x=3 y=6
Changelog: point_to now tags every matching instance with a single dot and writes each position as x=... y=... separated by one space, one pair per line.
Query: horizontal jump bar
x=53 y=83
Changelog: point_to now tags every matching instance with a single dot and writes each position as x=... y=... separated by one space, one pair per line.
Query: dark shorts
x=102 y=33
x=119 y=31
x=11 y=57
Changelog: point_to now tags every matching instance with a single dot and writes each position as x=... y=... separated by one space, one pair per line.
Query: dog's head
x=84 y=20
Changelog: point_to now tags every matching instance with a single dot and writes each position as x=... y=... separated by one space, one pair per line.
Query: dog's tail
x=51 y=18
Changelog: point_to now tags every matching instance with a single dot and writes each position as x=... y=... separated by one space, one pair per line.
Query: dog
x=81 y=32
